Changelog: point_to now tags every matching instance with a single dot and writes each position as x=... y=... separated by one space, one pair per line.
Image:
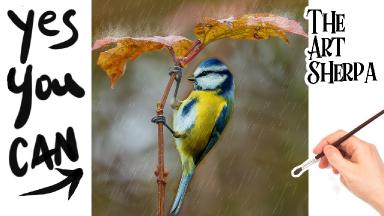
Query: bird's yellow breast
x=207 y=109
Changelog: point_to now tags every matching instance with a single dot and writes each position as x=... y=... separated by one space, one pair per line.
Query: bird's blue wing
x=215 y=134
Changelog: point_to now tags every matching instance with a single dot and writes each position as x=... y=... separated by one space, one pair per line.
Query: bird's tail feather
x=185 y=179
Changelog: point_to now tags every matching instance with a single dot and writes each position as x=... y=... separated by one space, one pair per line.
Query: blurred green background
x=248 y=171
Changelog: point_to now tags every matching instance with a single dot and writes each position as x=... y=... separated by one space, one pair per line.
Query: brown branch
x=197 y=47
x=161 y=172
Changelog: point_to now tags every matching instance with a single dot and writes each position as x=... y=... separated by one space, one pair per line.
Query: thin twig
x=197 y=47
x=160 y=172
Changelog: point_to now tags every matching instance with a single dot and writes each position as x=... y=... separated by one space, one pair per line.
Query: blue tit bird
x=201 y=118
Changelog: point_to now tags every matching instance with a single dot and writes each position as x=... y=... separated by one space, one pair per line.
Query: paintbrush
x=299 y=170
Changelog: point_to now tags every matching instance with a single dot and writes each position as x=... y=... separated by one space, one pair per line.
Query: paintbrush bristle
x=297 y=171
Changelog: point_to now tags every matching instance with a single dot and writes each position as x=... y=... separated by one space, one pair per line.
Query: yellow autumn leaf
x=248 y=27
x=113 y=60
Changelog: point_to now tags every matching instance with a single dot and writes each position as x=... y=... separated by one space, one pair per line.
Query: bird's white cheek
x=211 y=81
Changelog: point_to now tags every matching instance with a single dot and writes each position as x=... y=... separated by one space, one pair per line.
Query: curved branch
x=161 y=172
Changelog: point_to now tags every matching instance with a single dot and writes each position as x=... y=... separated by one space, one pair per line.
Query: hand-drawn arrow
x=73 y=178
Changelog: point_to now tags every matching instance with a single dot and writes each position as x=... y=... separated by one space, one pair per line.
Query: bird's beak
x=191 y=78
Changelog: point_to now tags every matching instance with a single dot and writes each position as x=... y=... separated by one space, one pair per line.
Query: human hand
x=359 y=164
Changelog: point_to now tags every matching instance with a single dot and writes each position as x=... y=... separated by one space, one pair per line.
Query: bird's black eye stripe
x=204 y=73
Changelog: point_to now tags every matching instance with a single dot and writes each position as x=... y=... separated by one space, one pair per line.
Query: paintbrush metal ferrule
x=299 y=170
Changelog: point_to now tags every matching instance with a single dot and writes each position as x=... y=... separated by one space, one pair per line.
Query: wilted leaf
x=249 y=27
x=113 y=60
x=103 y=42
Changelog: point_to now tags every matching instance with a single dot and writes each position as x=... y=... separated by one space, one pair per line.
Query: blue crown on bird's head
x=213 y=74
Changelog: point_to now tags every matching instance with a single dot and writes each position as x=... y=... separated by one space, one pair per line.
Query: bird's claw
x=161 y=119
x=177 y=70
x=158 y=119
